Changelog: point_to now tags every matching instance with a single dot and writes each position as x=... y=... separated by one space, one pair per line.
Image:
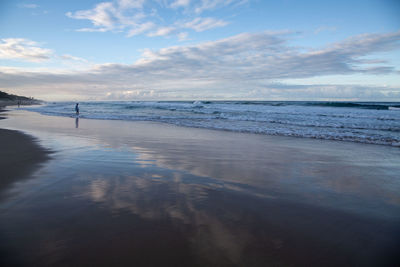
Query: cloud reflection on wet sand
x=160 y=195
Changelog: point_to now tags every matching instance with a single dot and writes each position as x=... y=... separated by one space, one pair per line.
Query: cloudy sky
x=204 y=49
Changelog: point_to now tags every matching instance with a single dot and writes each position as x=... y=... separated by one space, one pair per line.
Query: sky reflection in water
x=150 y=201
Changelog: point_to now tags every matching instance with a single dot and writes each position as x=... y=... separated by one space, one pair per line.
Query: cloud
x=214 y=4
x=27 y=50
x=72 y=58
x=92 y=30
x=23 y=49
x=131 y=3
x=141 y=17
x=102 y=16
x=227 y=68
x=323 y=92
x=198 y=24
x=162 y=31
x=30 y=6
x=180 y=3
x=124 y=15
x=183 y=36
x=145 y=27
x=202 y=24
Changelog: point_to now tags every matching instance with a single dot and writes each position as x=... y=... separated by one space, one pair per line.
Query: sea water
x=364 y=122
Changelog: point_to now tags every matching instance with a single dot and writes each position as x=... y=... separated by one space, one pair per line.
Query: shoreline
x=321 y=123
x=5 y=103
x=214 y=198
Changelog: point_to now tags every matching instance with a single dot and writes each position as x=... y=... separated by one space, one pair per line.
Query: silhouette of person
x=77 y=108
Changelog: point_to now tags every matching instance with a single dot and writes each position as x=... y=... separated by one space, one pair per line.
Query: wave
x=334 y=104
x=201 y=104
x=376 y=106
x=372 y=122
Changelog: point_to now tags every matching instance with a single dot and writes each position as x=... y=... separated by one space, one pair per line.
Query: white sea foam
x=375 y=123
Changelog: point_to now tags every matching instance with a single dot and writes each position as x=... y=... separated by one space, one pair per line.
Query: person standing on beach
x=77 y=108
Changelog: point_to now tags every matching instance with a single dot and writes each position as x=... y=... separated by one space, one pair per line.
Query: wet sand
x=120 y=193
x=20 y=155
x=2 y=110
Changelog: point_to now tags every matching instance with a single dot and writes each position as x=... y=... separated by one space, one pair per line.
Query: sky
x=201 y=50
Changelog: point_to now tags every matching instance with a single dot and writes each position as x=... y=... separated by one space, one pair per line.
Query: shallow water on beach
x=362 y=122
x=123 y=193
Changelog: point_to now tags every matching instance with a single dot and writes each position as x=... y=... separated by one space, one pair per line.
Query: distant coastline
x=11 y=100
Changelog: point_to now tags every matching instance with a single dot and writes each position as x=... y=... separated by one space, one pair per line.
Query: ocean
x=363 y=122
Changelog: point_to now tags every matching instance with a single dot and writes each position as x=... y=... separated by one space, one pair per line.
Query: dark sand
x=146 y=194
x=1 y=111
x=20 y=154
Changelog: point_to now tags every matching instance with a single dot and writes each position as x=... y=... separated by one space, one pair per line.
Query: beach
x=19 y=156
x=132 y=193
